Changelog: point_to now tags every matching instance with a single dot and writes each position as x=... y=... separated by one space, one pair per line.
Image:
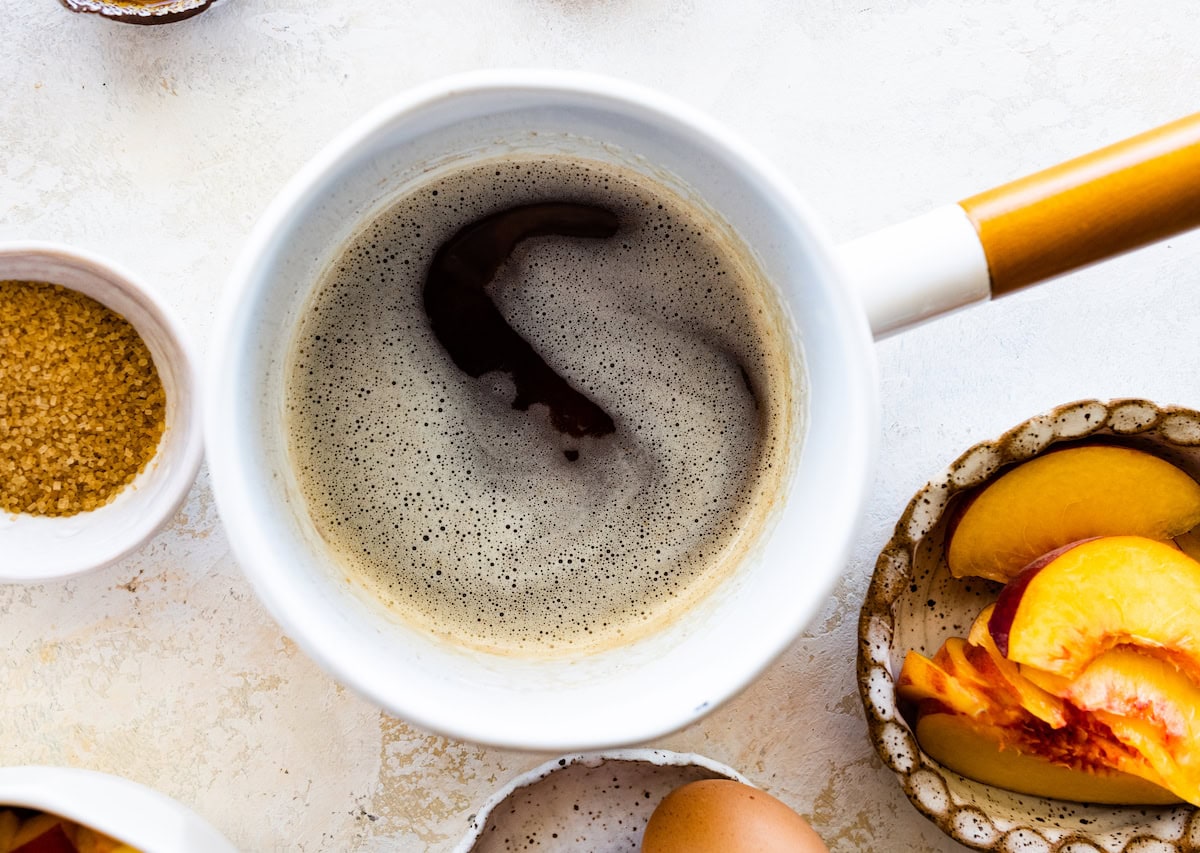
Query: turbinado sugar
x=82 y=408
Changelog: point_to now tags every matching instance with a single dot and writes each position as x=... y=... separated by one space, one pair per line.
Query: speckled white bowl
x=914 y=603
x=595 y=801
x=160 y=12
x=134 y=814
x=39 y=548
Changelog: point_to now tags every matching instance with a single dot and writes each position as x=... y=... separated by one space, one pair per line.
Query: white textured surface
x=159 y=146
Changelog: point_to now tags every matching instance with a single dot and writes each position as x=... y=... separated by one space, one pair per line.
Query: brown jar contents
x=81 y=405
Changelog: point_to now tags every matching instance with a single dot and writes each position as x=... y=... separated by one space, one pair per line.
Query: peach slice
x=1136 y=683
x=921 y=679
x=1148 y=704
x=963 y=679
x=953 y=658
x=971 y=718
x=1043 y=704
x=1176 y=767
x=1079 y=601
x=1068 y=495
x=1010 y=697
x=960 y=679
x=997 y=756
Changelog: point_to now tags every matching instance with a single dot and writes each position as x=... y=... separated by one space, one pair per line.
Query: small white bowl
x=126 y=811
x=595 y=801
x=41 y=548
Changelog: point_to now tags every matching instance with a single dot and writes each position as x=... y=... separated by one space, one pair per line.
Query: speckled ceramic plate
x=914 y=603
x=144 y=12
x=599 y=802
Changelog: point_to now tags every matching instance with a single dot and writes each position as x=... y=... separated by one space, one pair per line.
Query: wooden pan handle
x=1096 y=206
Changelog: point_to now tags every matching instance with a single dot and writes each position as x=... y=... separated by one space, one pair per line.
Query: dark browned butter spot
x=473 y=332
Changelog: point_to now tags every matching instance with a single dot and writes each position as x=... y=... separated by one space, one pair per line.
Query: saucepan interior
x=625 y=694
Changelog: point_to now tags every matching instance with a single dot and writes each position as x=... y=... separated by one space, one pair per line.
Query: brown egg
x=722 y=816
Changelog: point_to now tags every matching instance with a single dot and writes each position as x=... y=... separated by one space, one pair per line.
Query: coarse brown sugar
x=81 y=404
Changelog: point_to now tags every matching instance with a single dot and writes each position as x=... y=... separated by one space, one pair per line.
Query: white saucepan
x=836 y=300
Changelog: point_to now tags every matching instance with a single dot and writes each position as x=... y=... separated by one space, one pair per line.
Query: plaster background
x=159 y=146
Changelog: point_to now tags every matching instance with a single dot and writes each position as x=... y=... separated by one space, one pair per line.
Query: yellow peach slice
x=956 y=660
x=1080 y=601
x=921 y=679
x=1176 y=768
x=1043 y=704
x=1149 y=705
x=975 y=670
x=1136 y=683
x=952 y=657
x=1067 y=495
x=997 y=756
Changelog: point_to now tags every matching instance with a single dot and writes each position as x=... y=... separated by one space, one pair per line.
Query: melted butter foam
x=483 y=524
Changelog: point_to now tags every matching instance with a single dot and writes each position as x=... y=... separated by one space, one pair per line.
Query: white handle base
x=916 y=270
